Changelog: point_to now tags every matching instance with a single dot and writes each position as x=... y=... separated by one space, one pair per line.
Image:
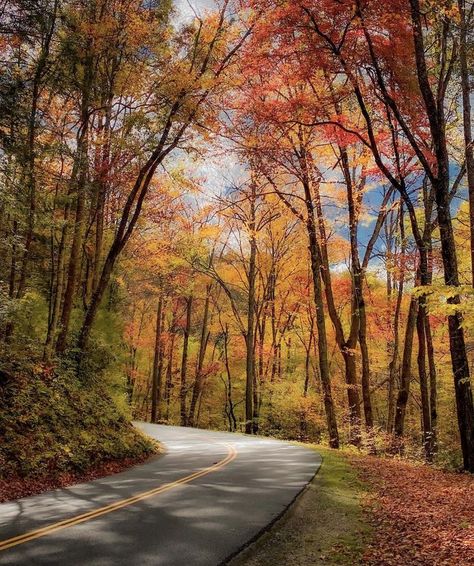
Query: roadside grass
x=325 y=525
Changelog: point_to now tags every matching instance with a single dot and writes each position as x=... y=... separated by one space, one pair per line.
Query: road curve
x=198 y=504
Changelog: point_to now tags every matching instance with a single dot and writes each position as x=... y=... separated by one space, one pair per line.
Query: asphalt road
x=197 y=504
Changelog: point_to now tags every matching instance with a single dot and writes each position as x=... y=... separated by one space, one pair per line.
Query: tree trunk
x=169 y=368
x=358 y=325
x=405 y=376
x=200 y=361
x=57 y=295
x=30 y=157
x=467 y=119
x=364 y=351
x=101 y=182
x=433 y=384
x=346 y=347
x=231 y=413
x=74 y=265
x=156 y=380
x=321 y=326
x=250 y=332
x=307 y=368
x=256 y=402
x=394 y=363
x=424 y=386
x=184 y=362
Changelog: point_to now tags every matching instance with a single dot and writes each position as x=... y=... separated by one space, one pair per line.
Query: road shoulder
x=325 y=525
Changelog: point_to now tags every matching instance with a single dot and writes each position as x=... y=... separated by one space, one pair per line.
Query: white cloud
x=186 y=9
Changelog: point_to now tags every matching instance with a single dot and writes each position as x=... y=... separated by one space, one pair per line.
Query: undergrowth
x=51 y=422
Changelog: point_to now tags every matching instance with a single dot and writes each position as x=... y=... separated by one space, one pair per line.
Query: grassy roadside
x=326 y=524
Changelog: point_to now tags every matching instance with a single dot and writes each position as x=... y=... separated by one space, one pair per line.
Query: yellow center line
x=31 y=535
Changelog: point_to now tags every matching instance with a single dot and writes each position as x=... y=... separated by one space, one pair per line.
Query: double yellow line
x=26 y=537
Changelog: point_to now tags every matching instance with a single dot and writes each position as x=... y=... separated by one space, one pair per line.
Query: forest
x=256 y=217
x=245 y=216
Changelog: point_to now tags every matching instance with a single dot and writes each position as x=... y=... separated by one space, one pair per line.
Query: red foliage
x=17 y=487
x=421 y=515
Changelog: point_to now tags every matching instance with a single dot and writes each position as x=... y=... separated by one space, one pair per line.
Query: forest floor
x=373 y=511
x=419 y=515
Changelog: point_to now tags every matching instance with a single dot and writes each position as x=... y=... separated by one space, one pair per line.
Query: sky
x=184 y=8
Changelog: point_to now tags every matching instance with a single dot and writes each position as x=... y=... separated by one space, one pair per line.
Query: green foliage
x=51 y=423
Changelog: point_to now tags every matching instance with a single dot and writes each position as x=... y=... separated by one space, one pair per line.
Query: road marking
x=31 y=535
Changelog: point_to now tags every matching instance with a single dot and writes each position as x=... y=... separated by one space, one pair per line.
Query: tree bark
x=405 y=376
x=200 y=361
x=467 y=119
x=394 y=366
x=250 y=331
x=427 y=436
x=307 y=368
x=156 y=392
x=432 y=384
x=229 y=400
x=365 y=380
x=30 y=157
x=321 y=326
x=184 y=362
x=58 y=291
x=169 y=367
x=346 y=347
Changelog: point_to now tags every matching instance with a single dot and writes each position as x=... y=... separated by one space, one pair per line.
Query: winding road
x=208 y=496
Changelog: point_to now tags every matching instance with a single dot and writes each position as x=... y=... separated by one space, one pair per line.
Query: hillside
x=55 y=431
